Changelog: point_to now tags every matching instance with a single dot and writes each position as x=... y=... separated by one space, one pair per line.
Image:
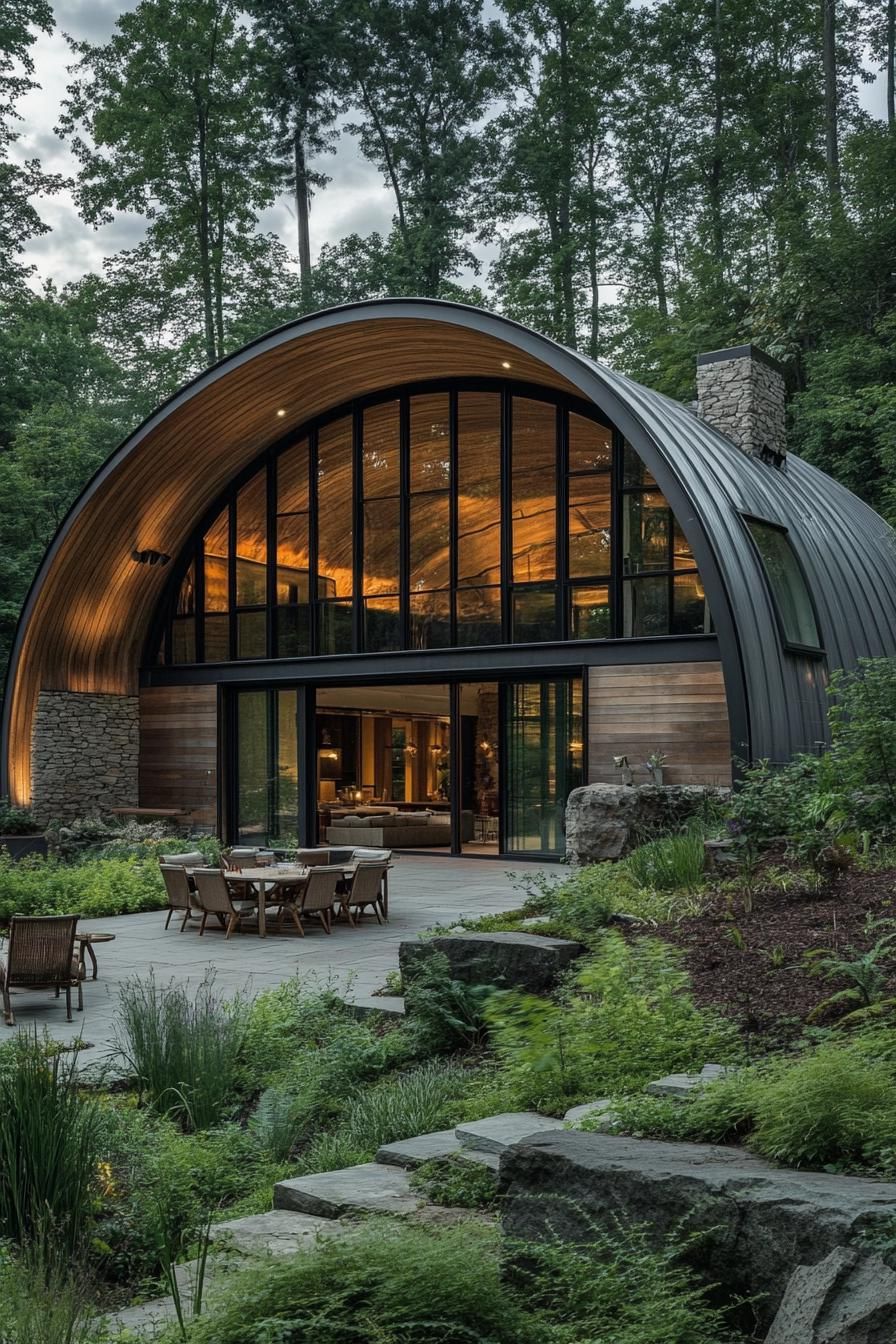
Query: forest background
x=640 y=179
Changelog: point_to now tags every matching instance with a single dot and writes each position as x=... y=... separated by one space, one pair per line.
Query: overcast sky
x=355 y=200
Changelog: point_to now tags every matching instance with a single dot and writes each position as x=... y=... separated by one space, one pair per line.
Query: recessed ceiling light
x=505 y=364
x=281 y=412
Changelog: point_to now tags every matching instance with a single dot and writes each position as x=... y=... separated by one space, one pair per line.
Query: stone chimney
x=741 y=392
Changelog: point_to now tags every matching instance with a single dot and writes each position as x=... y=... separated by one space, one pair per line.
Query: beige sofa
x=402 y=830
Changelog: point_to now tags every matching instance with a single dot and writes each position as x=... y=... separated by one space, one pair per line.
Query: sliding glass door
x=543 y=755
x=266 y=792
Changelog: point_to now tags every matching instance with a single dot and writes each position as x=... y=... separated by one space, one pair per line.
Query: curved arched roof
x=89 y=609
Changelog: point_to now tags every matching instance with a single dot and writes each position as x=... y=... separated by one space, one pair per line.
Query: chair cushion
x=191 y=859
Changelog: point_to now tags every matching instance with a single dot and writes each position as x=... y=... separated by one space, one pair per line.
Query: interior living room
x=384 y=766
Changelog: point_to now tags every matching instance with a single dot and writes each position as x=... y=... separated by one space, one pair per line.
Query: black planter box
x=20 y=845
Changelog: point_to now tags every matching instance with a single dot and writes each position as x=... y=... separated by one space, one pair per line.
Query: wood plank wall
x=677 y=708
x=179 y=750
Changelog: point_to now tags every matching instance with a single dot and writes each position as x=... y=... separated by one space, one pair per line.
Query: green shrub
x=272 y=1123
x=830 y=1107
x=182 y=1046
x=285 y=1023
x=151 y=1168
x=43 y=886
x=400 y=1106
x=721 y=1112
x=389 y=1283
x=443 y=1013
x=402 y=1284
x=673 y=863
x=44 y=1300
x=49 y=1147
x=625 y=1018
x=456 y=1183
x=615 y=1286
x=17 y=820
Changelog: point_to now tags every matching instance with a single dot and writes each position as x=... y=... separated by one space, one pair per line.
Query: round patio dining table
x=260 y=880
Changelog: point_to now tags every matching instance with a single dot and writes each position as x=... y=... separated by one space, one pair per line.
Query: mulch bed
x=749 y=963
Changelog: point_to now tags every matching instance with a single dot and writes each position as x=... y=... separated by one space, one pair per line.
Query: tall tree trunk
x=657 y=266
x=891 y=64
x=829 y=57
x=205 y=260
x=564 y=209
x=302 y=218
x=717 y=163
x=593 y=279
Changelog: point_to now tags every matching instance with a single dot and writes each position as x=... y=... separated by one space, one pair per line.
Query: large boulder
x=758 y=1223
x=847 y=1298
x=605 y=821
x=509 y=960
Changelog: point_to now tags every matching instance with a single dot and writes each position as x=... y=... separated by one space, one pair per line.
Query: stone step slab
x=603 y=1108
x=371 y=1187
x=499 y=1132
x=411 y=1153
x=279 y=1232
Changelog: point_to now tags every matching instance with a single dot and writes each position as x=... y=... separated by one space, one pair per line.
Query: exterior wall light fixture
x=150 y=557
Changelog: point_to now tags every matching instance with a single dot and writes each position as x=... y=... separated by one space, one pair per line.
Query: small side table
x=87 y=942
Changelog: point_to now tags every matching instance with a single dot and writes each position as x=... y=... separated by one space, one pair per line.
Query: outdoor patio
x=423 y=890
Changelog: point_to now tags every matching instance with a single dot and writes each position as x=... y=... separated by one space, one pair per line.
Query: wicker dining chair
x=181 y=896
x=214 y=896
x=238 y=857
x=40 y=954
x=364 y=889
x=321 y=894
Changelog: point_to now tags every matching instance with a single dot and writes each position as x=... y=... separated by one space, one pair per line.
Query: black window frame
x=788 y=644
x=612 y=577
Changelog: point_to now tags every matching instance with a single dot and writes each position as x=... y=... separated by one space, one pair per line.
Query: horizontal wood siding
x=675 y=708
x=179 y=750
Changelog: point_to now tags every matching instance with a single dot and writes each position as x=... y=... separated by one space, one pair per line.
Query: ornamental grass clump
x=49 y=1147
x=673 y=863
x=182 y=1047
x=401 y=1106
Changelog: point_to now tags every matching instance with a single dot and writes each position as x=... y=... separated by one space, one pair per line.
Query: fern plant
x=865 y=971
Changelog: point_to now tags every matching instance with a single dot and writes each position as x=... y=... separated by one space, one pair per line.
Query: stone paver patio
x=423 y=890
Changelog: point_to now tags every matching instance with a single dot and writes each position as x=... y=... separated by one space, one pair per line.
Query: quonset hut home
x=411 y=561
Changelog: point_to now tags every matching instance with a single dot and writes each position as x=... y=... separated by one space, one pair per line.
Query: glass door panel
x=543 y=762
x=267 y=768
x=253 y=752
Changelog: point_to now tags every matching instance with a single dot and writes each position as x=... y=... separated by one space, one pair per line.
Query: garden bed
x=751 y=964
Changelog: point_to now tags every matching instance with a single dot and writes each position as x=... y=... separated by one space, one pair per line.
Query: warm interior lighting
x=505 y=363
x=411 y=748
x=281 y=412
x=329 y=755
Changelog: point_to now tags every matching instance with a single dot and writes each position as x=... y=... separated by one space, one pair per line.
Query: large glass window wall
x=436 y=517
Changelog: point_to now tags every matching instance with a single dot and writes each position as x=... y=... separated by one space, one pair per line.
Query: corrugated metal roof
x=847 y=551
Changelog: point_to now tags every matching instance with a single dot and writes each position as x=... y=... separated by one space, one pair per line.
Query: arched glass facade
x=433 y=517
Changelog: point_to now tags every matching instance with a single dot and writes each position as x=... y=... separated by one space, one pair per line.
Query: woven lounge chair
x=41 y=955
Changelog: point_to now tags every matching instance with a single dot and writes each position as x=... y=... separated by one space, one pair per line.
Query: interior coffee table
x=86 y=943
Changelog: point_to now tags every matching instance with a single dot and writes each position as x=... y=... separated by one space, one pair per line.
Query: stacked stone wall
x=85 y=751
x=744 y=398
